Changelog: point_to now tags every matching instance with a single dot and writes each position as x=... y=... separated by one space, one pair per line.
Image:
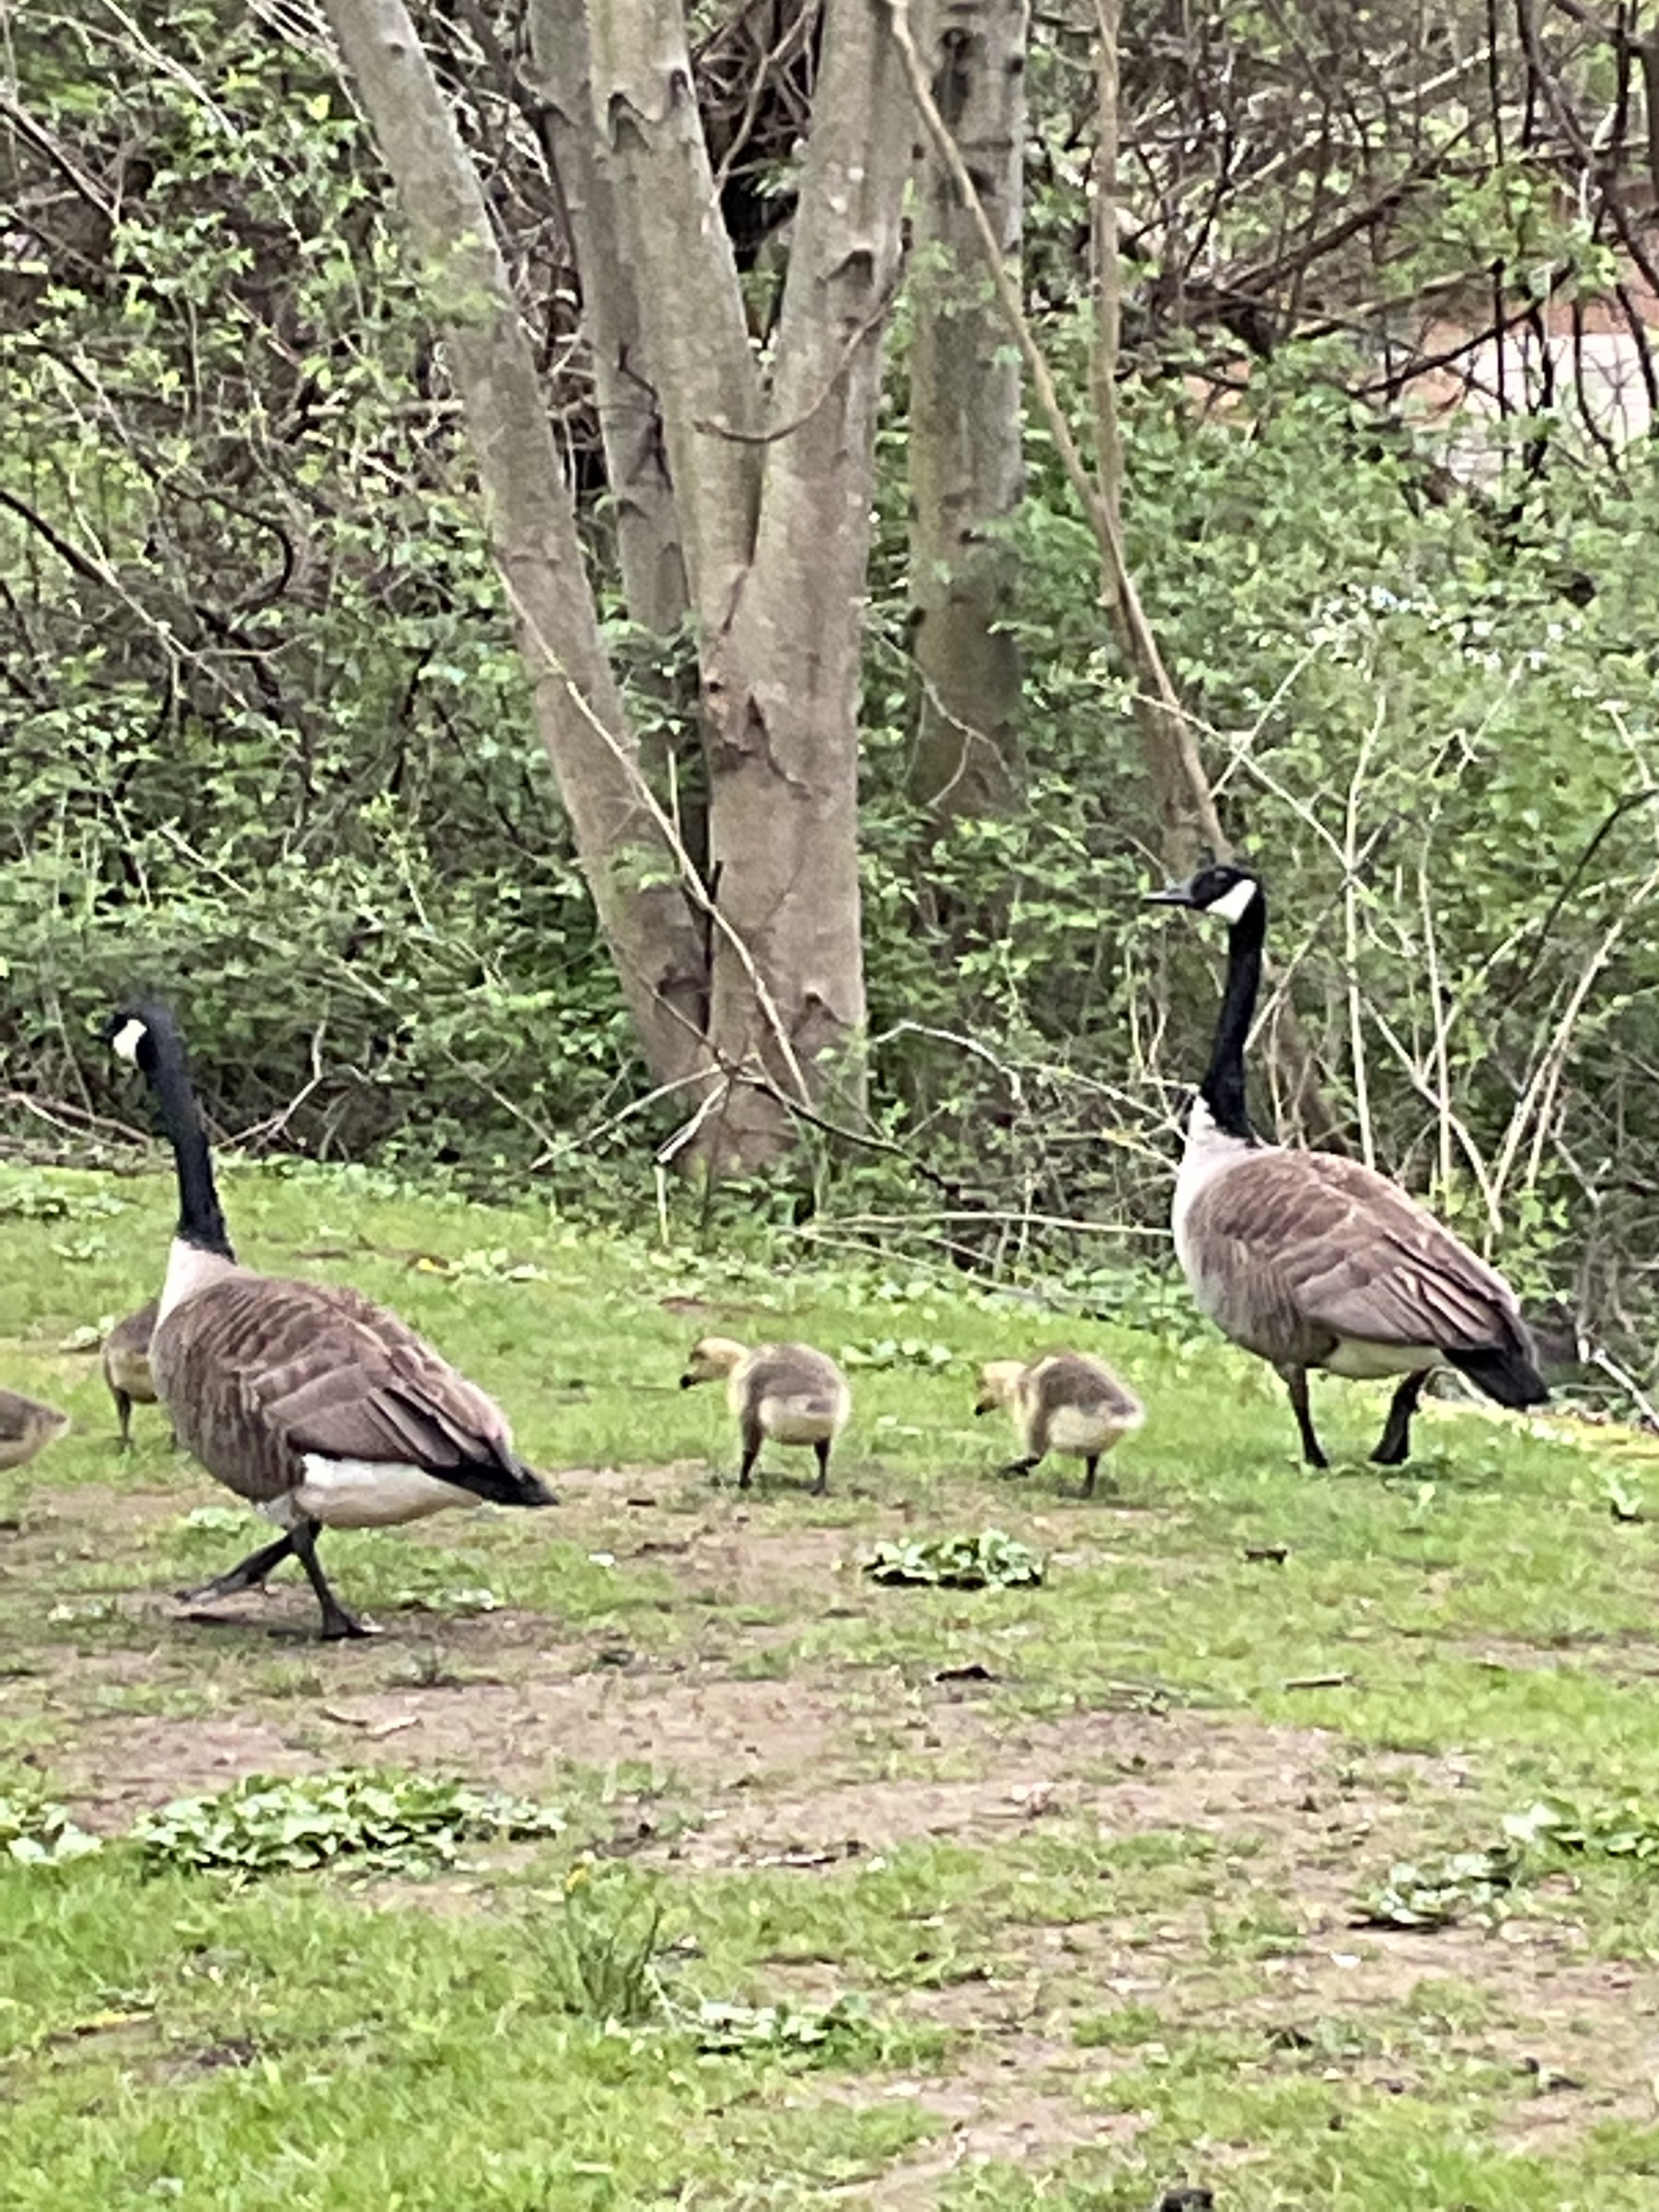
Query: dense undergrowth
x=274 y=756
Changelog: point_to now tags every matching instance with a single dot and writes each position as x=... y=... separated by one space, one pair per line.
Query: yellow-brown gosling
x=26 y=1427
x=1064 y=1402
x=126 y=1366
x=788 y=1393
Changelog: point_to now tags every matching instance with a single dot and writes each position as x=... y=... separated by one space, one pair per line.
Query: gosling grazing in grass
x=321 y=1409
x=126 y=1366
x=26 y=1427
x=1312 y=1261
x=1063 y=1403
x=785 y=1392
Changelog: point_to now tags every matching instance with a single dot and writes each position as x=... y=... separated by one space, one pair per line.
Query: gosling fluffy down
x=126 y=1366
x=788 y=1393
x=26 y=1427
x=1064 y=1402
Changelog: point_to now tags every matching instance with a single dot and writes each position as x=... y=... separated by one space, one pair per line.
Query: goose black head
x=141 y=1031
x=1219 y=888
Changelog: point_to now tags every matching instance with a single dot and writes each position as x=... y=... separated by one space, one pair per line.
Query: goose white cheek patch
x=1233 y=905
x=128 y=1038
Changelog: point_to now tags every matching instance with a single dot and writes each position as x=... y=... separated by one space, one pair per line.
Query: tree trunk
x=966 y=464
x=648 y=548
x=642 y=908
x=686 y=284
x=649 y=551
x=783 y=672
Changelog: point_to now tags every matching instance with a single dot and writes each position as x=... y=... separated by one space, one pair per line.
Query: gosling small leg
x=1393 y=1446
x=338 y=1623
x=821 y=1453
x=1295 y=1382
x=751 y=1451
x=248 y=1574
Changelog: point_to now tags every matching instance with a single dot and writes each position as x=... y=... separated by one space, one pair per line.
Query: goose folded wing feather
x=1354 y=1255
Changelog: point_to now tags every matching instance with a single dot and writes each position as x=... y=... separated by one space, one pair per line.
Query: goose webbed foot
x=1019 y=1465
x=248 y=1574
x=1295 y=1382
x=1394 y=1444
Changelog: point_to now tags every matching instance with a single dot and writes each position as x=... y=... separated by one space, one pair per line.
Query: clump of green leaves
x=37 y=1833
x=1626 y=1829
x=990 y=1561
x=811 y=2031
x=1440 y=1892
x=598 y=1951
x=382 y=1822
x=886 y=1352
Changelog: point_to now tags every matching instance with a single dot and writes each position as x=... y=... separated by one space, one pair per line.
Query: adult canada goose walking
x=318 y=1407
x=26 y=1427
x=1063 y=1403
x=1312 y=1261
x=126 y=1361
x=787 y=1392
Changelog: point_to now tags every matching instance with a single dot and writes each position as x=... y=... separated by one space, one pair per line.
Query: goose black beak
x=687 y=1381
x=1172 y=894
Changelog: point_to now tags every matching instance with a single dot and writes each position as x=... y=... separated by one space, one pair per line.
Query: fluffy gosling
x=1064 y=1402
x=127 y=1367
x=787 y=1392
x=26 y=1427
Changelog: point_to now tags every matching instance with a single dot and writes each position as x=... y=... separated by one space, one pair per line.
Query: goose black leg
x=1021 y=1465
x=1089 y=1467
x=248 y=1574
x=751 y=1450
x=1393 y=1446
x=821 y=1453
x=338 y=1623
x=1295 y=1382
x=124 y=1414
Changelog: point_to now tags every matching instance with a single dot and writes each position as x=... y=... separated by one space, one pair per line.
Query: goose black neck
x=201 y=1220
x=1223 y=1087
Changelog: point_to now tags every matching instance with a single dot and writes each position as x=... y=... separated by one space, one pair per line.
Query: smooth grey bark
x=647 y=922
x=685 y=278
x=966 y=462
x=648 y=548
x=783 y=671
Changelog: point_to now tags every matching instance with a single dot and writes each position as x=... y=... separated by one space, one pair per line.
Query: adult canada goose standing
x=1312 y=1261
x=318 y=1407
x=125 y=1360
x=786 y=1392
x=26 y=1427
x=1063 y=1403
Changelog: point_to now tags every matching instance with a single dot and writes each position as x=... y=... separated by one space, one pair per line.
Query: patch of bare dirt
x=1011 y=2107
x=119 y=1768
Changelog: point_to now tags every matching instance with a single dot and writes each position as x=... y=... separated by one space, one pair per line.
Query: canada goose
x=26 y=1427
x=1312 y=1261
x=318 y=1407
x=787 y=1392
x=1063 y=1403
x=126 y=1366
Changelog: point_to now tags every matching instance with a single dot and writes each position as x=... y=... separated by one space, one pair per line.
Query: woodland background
x=1339 y=316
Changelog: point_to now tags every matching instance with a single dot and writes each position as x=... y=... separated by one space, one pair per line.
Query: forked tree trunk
x=783 y=672
x=771 y=496
x=642 y=905
x=966 y=466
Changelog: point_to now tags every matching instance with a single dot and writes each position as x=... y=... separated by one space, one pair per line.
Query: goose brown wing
x=1348 y=1251
x=264 y=1371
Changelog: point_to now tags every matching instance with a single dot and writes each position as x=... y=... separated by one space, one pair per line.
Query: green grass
x=1068 y=1870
